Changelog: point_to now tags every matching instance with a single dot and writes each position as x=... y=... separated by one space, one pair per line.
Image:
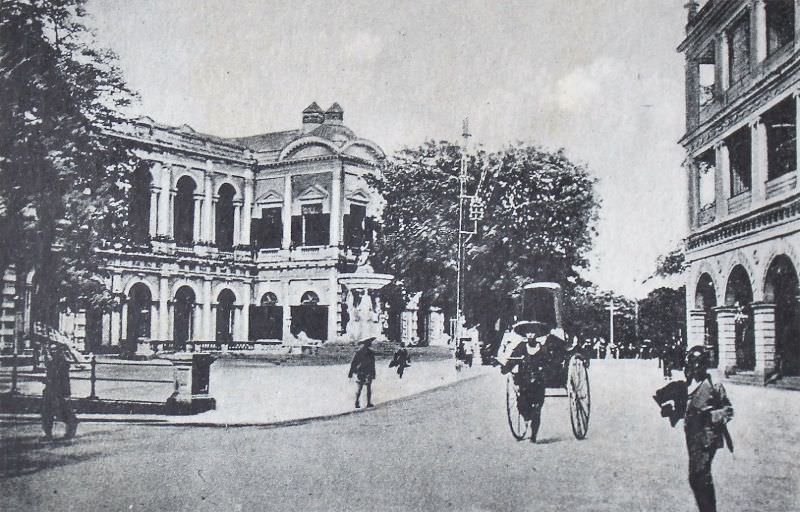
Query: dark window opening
x=184 y=212
x=780 y=24
x=354 y=226
x=183 y=313
x=739 y=49
x=781 y=124
x=706 y=173
x=139 y=208
x=268 y=230
x=224 y=218
x=707 y=76
x=312 y=227
x=225 y=311
x=739 y=153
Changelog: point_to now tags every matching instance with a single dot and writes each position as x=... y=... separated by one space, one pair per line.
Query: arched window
x=269 y=299
x=706 y=300
x=782 y=290
x=739 y=294
x=224 y=218
x=225 y=311
x=139 y=205
x=184 y=212
x=139 y=302
x=183 y=311
x=309 y=298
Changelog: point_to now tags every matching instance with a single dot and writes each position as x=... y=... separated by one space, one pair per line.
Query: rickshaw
x=539 y=316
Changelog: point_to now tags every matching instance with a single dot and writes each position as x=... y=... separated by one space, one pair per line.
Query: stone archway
x=739 y=294
x=138 y=318
x=266 y=319
x=706 y=301
x=224 y=218
x=781 y=289
x=226 y=307
x=310 y=318
x=184 y=212
x=183 y=316
x=139 y=208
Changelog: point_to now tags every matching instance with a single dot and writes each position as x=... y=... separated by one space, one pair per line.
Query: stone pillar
x=287 y=310
x=722 y=180
x=197 y=322
x=336 y=206
x=153 y=228
x=334 y=310
x=154 y=319
x=171 y=210
x=212 y=227
x=244 y=323
x=237 y=222
x=695 y=332
x=723 y=63
x=164 y=174
x=726 y=335
x=208 y=208
x=247 y=211
x=759 y=161
x=197 y=228
x=287 y=213
x=796 y=96
x=237 y=323
x=758 y=33
x=693 y=195
x=163 y=309
x=208 y=315
x=692 y=94
x=764 y=330
x=116 y=325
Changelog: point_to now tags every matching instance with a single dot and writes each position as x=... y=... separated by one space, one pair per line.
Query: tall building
x=743 y=250
x=240 y=239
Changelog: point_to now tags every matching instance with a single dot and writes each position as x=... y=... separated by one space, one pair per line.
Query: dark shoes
x=358 y=406
x=370 y=405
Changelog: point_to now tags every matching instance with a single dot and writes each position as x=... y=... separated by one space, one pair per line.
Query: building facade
x=253 y=238
x=743 y=250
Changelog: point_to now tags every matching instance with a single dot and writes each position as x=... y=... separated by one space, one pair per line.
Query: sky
x=599 y=78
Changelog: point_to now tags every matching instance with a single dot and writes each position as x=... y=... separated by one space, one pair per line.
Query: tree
x=63 y=181
x=586 y=314
x=662 y=314
x=539 y=224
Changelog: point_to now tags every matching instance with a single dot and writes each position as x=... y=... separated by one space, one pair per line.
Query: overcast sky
x=600 y=78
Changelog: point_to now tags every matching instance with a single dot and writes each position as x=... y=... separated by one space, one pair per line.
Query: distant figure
x=401 y=360
x=469 y=353
x=55 y=397
x=705 y=409
x=363 y=366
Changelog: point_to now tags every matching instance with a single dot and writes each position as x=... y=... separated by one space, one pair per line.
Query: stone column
x=154 y=320
x=197 y=228
x=726 y=335
x=764 y=330
x=208 y=316
x=247 y=210
x=237 y=222
x=759 y=161
x=208 y=207
x=244 y=323
x=723 y=63
x=758 y=33
x=153 y=228
x=692 y=94
x=695 y=332
x=197 y=322
x=334 y=316
x=287 y=214
x=287 y=310
x=164 y=174
x=796 y=96
x=163 y=309
x=336 y=206
x=693 y=196
x=722 y=180
x=116 y=325
x=237 y=323
x=171 y=210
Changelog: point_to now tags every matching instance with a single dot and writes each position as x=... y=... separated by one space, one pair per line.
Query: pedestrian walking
x=706 y=410
x=55 y=397
x=363 y=367
x=401 y=360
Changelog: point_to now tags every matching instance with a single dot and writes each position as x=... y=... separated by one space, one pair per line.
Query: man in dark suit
x=55 y=397
x=363 y=366
x=706 y=410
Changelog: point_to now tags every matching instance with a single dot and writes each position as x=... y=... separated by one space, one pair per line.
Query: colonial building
x=743 y=250
x=250 y=238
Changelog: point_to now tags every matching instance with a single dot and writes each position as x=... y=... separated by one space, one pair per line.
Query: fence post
x=14 y=373
x=93 y=378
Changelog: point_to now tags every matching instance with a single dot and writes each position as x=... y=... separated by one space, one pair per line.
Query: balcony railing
x=739 y=203
x=706 y=215
x=782 y=184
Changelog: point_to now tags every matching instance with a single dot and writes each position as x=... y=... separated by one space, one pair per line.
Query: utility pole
x=462 y=180
x=611 y=310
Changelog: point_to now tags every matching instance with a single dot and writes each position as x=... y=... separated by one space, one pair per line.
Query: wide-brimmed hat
x=367 y=341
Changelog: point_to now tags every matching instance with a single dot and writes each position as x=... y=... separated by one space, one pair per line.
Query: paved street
x=449 y=449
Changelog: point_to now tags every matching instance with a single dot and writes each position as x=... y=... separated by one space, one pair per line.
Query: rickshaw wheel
x=518 y=424
x=579 y=397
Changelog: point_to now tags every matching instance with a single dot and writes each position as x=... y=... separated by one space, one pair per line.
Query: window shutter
x=324 y=229
x=347 y=229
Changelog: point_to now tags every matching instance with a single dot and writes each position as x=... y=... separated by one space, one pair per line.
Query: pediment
x=358 y=196
x=313 y=193
x=270 y=196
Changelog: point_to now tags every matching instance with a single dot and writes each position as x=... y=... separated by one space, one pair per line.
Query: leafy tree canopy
x=62 y=180
x=539 y=223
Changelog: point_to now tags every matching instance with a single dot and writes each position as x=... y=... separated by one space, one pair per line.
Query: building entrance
x=782 y=290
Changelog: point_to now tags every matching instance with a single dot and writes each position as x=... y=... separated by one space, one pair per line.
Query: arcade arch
x=183 y=315
x=183 y=213
x=781 y=289
x=739 y=294
x=224 y=217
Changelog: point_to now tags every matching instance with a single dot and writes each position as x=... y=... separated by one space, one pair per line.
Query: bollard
x=14 y=373
x=93 y=377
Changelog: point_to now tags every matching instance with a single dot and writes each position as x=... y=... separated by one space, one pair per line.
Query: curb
x=16 y=419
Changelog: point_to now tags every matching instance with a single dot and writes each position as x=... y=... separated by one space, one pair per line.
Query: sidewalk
x=248 y=393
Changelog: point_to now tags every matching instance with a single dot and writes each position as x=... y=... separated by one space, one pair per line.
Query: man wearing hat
x=706 y=410
x=363 y=366
x=55 y=397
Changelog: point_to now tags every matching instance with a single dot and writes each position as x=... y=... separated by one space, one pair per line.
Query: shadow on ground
x=26 y=454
